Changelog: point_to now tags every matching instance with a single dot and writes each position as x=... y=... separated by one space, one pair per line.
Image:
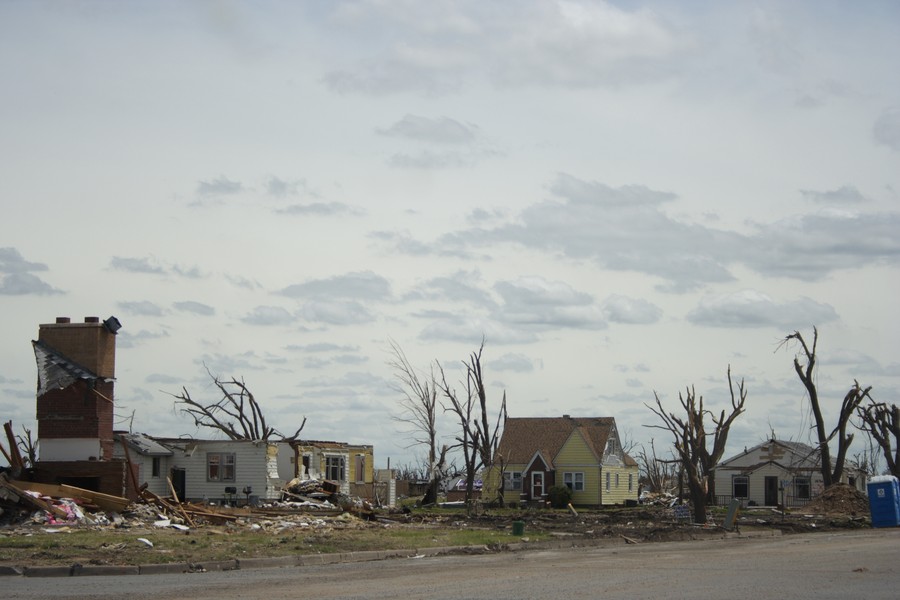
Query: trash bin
x=884 y=501
x=518 y=528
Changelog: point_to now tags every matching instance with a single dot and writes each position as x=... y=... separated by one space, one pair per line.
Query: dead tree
x=28 y=446
x=659 y=473
x=882 y=423
x=831 y=469
x=237 y=413
x=690 y=436
x=476 y=439
x=418 y=405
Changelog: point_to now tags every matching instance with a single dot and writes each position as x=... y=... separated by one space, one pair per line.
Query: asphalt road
x=854 y=564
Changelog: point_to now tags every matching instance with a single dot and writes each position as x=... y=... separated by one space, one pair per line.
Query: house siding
x=250 y=469
x=618 y=494
x=576 y=457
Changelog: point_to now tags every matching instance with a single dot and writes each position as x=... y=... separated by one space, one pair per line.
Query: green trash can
x=518 y=527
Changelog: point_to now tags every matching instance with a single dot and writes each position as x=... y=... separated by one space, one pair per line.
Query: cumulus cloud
x=11 y=261
x=459 y=287
x=364 y=285
x=196 y=308
x=535 y=301
x=16 y=278
x=141 y=308
x=269 y=315
x=749 y=308
x=280 y=188
x=633 y=311
x=847 y=194
x=135 y=265
x=336 y=312
x=220 y=186
x=441 y=130
x=518 y=363
x=471 y=330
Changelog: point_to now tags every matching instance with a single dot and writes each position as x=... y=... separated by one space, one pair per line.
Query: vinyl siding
x=576 y=457
x=618 y=494
x=250 y=469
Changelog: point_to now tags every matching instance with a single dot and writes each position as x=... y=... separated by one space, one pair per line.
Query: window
x=219 y=466
x=513 y=480
x=631 y=482
x=617 y=480
x=801 y=488
x=334 y=468
x=740 y=486
x=608 y=481
x=157 y=462
x=360 y=468
x=574 y=481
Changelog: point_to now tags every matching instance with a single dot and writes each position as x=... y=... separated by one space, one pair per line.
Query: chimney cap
x=63 y=320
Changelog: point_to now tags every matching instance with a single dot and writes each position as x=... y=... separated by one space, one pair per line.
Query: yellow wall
x=576 y=457
x=618 y=494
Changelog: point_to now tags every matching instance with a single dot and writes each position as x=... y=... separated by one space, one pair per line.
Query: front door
x=771 y=485
x=537 y=485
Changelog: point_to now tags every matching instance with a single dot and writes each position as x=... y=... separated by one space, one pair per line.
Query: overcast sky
x=619 y=197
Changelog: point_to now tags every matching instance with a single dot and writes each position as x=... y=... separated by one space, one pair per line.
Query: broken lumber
x=106 y=502
x=24 y=497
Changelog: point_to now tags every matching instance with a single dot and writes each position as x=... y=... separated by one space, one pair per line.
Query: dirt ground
x=27 y=540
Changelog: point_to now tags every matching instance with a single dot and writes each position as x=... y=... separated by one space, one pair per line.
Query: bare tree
x=690 y=436
x=882 y=423
x=28 y=446
x=237 y=413
x=831 y=469
x=476 y=439
x=659 y=473
x=419 y=414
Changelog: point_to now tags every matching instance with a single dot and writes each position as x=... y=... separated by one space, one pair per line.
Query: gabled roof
x=524 y=436
x=776 y=449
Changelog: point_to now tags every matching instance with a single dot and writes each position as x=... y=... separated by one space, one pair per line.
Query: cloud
x=16 y=278
x=364 y=285
x=428 y=159
x=319 y=209
x=142 y=307
x=460 y=287
x=841 y=196
x=11 y=261
x=632 y=311
x=750 y=308
x=269 y=315
x=887 y=128
x=558 y=44
x=518 y=363
x=441 y=130
x=809 y=247
x=471 y=330
x=322 y=347
x=135 y=265
x=196 y=308
x=281 y=188
x=23 y=284
x=162 y=378
x=534 y=301
x=220 y=186
x=126 y=339
x=336 y=312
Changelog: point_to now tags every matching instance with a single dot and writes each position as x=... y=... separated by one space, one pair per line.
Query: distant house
x=775 y=472
x=351 y=465
x=583 y=453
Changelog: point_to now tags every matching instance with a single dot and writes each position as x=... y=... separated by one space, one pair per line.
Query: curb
x=309 y=560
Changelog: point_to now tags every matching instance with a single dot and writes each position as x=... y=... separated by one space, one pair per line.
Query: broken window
x=334 y=468
x=740 y=486
x=574 y=481
x=360 y=468
x=220 y=466
x=802 y=488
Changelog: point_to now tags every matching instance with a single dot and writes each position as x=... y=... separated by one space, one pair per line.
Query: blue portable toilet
x=884 y=501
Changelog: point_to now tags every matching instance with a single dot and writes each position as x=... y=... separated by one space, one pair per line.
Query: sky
x=620 y=199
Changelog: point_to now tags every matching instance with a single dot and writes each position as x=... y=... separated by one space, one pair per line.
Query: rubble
x=839 y=499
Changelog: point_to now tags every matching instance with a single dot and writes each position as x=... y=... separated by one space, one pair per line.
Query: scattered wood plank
x=104 y=501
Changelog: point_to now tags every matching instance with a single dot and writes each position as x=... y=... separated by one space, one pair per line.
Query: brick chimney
x=76 y=370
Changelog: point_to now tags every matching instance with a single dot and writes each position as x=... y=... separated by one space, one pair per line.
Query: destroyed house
x=775 y=472
x=75 y=405
x=350 y=465
x=582 y=453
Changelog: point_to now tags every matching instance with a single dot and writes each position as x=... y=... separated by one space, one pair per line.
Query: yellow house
x=352 y=466
x=582 y=453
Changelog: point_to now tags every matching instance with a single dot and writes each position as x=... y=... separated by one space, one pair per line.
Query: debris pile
x=839 y=499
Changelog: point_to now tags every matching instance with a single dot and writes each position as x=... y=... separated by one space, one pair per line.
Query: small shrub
x=560 y=496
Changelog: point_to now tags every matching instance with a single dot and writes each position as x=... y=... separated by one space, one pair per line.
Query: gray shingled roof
x=523 y=436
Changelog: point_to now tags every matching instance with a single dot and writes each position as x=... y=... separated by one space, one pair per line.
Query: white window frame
x=574 y=480
x=225 y=464
x=341 y=467
x=608 y=481
x=513 y=480
x=803 y=480
x=745 y=481
x=631 y=482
